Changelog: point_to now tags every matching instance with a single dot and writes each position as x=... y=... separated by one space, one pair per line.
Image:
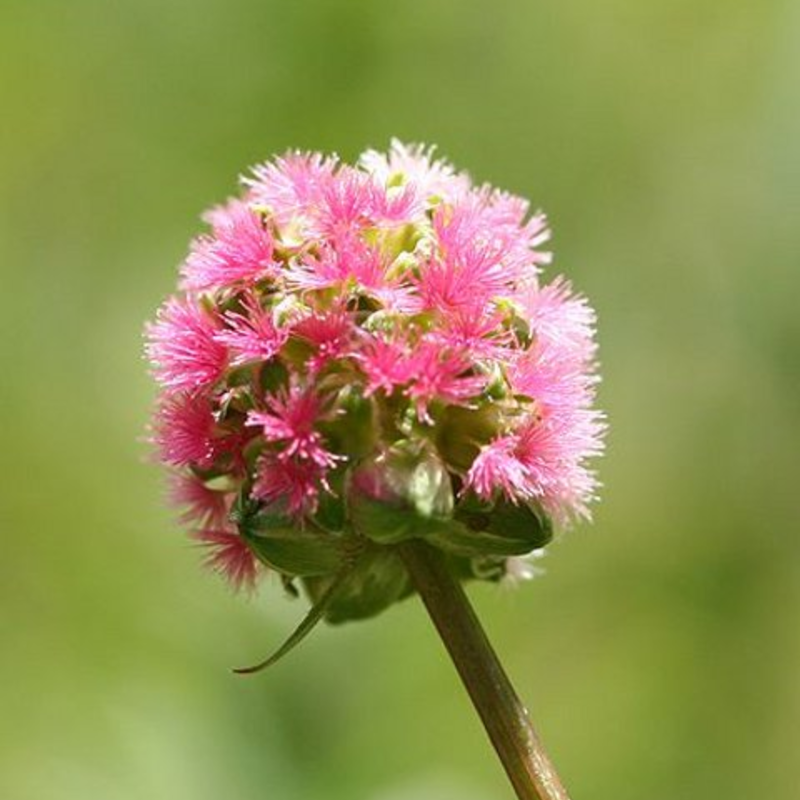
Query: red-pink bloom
x=544 y=460
x=349 y=266
x=240 y=250
x=384 y=361
x=442 y=375
x=202 y=506
x=558 y=368
x=291 y=186
x=252 y=334
x=329 y=333
x=554 y=450
x=184 y=430
x=290 y=421
x=480 y=335
x=350 y=262
x=345 y=204
x=467 y=270
x=558 y=316
x=427 y=370
x=183 y=348
x=351 y=200
x=228 y=554
x=288 y=482
x=504 y=217
x=498 y=467
x=415 y=165
x=484 y=252
x=396 y=205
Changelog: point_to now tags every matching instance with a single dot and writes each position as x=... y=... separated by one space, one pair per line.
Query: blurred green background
x=660 y=654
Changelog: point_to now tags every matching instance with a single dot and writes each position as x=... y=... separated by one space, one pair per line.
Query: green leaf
x=316 y=613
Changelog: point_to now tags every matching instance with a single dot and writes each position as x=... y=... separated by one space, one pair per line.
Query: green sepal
x=522 y=522
x=297 y=352
x=352 y=431
x=402 y=493
x=399 y=494
x=387 y=524
x=503 y=529
x=484 y=568
x=460 y=540
x=331 y=513
x=460 y=432
x=290 y=549
x=377 y=580
x=273 y=376
x=315 y=614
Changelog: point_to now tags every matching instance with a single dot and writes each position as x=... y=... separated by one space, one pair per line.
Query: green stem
x=504 y=717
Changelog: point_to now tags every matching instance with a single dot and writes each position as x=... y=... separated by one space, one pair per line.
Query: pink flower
x=503 y=216
x=350 y=267
x=251 y=335
x=394 y=206
x=415 y=165
x=345 y=204
x=544 y=460
x=384 y=361
x=481 y=335
x=558 y=368
x=290 y=420
x=484 y=252
x=329 y=333
x=202 y=505
x=351 y=262
x=183 y=348
x=240 y=250
x=442 y=375
x=228 y=554
x=184 y=430
x=556 y=314
x=498 y=467
x=294 y=484
x=427 y=370
x=291 y=186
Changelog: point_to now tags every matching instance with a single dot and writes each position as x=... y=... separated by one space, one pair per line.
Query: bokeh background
x=660 y=654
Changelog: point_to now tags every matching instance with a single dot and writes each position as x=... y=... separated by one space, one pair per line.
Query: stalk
x=504 y=717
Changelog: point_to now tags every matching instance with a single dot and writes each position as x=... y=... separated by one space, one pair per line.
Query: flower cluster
x=362 y=354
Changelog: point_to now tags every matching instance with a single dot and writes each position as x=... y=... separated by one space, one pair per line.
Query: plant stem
x=504 y=717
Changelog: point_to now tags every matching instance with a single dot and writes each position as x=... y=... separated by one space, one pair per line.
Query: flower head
x=378 y=325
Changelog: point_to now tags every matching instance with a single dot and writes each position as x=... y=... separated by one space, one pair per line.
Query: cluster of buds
x=361 y=355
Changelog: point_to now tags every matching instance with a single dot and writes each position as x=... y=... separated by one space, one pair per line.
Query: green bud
x=352 y=431
x=462 y=431
x=400 y=493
